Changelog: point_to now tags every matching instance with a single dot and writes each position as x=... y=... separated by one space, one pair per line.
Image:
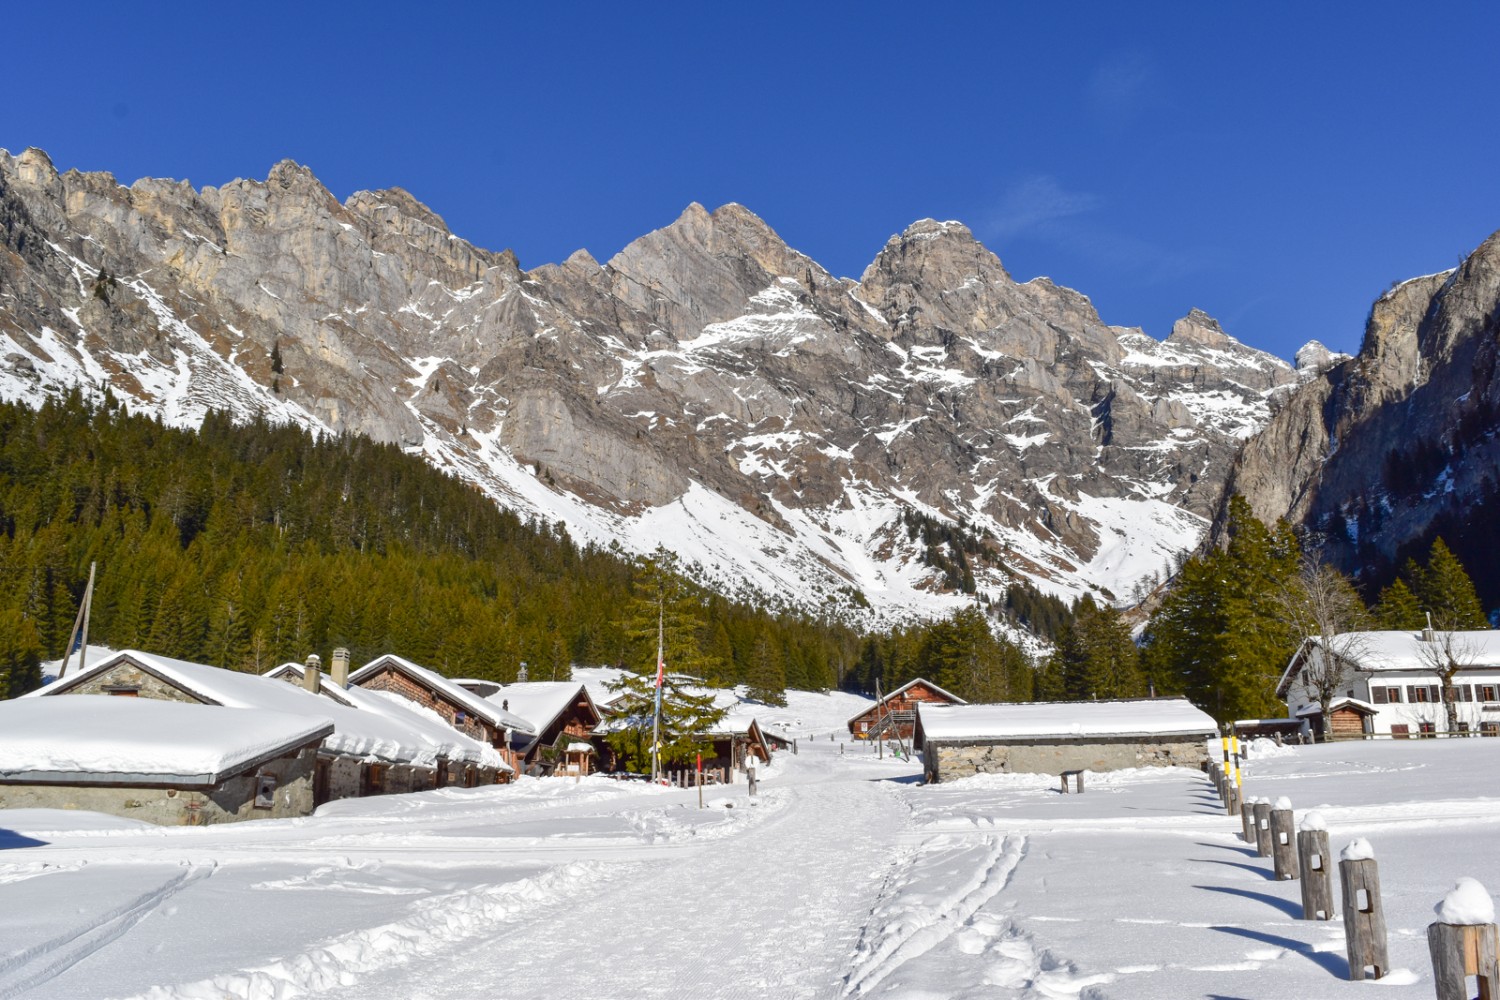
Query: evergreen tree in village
x=665 y=617
x=1441 y=588
x=1220 y=636
x=1095 y=658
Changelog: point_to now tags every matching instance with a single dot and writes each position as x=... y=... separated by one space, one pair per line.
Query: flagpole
x=80 y=623
x=661 y=666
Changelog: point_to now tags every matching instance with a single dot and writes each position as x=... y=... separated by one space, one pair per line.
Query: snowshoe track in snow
x=944 y=883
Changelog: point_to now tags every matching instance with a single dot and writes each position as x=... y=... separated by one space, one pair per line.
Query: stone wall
x=128 y=675
x=231 y=801
x=943 y=762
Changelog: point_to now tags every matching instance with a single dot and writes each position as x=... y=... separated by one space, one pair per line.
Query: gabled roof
x=444 y=686
x=1362 y=707
x=953 y=698
x=1378 y=652
x=541 y=702
x=98 y=739
x=1061 y=719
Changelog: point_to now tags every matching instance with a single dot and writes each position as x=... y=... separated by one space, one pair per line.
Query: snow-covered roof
x=357 y=733
x=1335 y=705
x=1378 y=652
x=100 y=738
x=1145 y=717
x=537 y=702
x=953 y=698
x=445 y=686
x=426 y=733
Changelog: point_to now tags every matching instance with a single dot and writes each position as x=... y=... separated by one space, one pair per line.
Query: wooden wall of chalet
x=906 y=701
x=393 y=680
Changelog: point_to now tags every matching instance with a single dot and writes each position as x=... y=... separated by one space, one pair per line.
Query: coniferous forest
x=246 y=546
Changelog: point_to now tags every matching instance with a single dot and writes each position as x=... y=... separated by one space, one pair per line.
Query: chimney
x=521 y=674
x=312 y=674
x=340 y=675
x=1428 y=635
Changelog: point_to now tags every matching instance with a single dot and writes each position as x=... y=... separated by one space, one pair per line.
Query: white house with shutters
x=1391 y=685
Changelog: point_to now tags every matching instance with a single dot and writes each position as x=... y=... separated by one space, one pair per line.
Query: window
x=1463 y=727
x=265 y=791
x=1466 y=692
x=1416 y=693
x=1487 y=692
x=1429 y=731
x=1489 y=729
x=1377 y=695
x=1401 y=732
x=1395 y=695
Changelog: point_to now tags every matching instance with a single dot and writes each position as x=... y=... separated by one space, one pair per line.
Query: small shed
x=164 y=762
x=1349 y=718
x=895 y=714
x=734 y=742
x=1051 y=737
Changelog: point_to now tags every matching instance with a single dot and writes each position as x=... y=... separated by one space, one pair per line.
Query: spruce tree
x=766 y=679
x=1444 y=589
x=1398 y=609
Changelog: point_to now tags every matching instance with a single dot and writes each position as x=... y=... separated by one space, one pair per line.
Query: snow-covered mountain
x=932 y=427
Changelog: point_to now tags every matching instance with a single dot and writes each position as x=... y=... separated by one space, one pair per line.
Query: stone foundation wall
x=946 y=762
x=231 y=801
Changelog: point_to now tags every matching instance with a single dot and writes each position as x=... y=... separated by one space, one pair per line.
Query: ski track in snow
x=25 y=970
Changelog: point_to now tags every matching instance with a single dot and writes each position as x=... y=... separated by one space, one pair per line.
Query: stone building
x=160 y=761
x=1052 y=737
x=562 y=717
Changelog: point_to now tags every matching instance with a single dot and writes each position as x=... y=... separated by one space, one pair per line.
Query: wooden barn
x=1052 y=737
x=895 y=714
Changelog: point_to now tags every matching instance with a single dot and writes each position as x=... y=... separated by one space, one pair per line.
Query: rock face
x=709 y=387
x=1386 y=449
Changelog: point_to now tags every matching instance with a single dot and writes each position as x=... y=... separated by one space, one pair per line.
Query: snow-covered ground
x=844 y=878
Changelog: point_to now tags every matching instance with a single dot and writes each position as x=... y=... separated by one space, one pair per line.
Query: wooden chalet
x=735 y=742
x=895 y=714
x=459 y=707
x=562 y=718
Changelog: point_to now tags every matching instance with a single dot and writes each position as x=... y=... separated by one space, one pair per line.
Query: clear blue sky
x=1275 y=165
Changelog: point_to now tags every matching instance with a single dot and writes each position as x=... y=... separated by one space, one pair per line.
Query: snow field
x=844 y=879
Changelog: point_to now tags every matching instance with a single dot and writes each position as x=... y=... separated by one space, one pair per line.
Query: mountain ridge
x=708 y=387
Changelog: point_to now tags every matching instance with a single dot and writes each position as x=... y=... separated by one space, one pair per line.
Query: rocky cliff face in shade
x=709 y=387
x=1386 y=449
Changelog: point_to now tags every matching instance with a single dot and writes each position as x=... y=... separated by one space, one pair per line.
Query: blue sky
x=1276 y=165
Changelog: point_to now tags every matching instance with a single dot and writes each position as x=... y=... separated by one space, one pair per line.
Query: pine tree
x=1444 y=589
x=687 y=717
x=1398 y=609
x=766 y=678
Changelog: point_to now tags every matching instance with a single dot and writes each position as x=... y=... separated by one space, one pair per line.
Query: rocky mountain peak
x=398 y=202
x=1202 y=330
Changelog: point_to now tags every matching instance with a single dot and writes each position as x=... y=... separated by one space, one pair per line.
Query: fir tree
x=1398 y=609
x=766 y=681
x=1444 y=589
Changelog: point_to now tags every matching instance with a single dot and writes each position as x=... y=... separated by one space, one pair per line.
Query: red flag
x=661 y=671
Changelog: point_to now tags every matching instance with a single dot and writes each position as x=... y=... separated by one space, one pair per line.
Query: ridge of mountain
x=1382 y=452
x=889 y=443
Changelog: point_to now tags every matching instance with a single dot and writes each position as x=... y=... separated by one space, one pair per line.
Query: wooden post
x=1232 y=801
x=1247 y=820
x=1263 y=828
x=1364 y=919
x=1460 y=951
x=1283 y=845
x=1317 y=875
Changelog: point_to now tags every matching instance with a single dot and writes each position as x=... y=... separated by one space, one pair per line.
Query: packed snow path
x=844 y=880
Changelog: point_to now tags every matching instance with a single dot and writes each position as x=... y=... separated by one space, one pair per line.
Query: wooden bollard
x=1312 y=863
x=1364 y=919
x=1247 y=820
x=1464 y=943
x=1263 y=828
x=1232 y=800
x=1283 y=841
